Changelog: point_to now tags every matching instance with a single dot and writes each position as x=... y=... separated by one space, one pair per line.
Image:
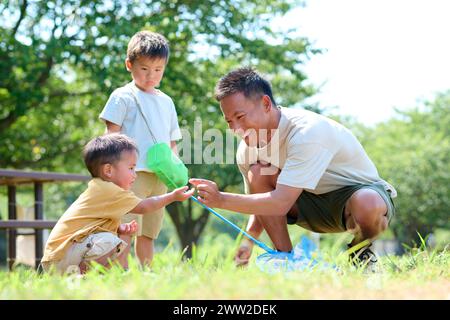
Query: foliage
x=60 y=60
x=412 y=152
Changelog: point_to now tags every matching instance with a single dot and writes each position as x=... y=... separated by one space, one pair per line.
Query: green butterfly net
x=167 y=166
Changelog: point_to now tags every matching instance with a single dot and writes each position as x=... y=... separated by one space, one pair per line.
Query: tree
x=60 y=60
x=413 y=153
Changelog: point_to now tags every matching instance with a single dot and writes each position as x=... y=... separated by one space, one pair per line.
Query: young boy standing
x=148 y=116
x=90 y=230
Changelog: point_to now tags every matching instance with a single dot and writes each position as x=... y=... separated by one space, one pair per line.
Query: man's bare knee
x=368 y=210
x=263 y=175
x=367 y=207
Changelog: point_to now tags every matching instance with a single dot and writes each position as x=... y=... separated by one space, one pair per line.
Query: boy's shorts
x=324 y=213
x=95 y=246
x=146 y=185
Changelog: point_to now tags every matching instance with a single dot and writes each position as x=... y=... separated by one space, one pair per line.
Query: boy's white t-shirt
x=121 y=109
x=314 y=153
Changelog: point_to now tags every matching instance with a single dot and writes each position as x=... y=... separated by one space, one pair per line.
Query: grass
x=211 y=274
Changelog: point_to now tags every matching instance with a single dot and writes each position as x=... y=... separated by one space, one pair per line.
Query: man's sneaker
x=364 y=257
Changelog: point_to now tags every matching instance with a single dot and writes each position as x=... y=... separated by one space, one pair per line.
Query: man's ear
x=128 y=64
x=106 y=170
x=267 y=103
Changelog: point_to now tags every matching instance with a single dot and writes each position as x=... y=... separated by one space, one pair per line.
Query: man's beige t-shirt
x=98 y=209
x=314 y=153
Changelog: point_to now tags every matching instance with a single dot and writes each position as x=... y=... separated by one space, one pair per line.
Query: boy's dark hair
x=245 y=80
x=106 y=149
x=148 y=44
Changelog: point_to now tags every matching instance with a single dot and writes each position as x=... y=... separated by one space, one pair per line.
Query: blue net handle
x=260 y=244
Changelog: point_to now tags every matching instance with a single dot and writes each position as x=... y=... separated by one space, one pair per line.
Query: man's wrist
x=222 y=199
x=247 y=243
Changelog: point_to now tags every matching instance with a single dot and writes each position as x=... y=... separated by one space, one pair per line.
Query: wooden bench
x=32 y=224
x=13 y=178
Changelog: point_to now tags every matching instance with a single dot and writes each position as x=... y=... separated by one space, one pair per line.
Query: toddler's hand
x=128 y=228
x=181 y=194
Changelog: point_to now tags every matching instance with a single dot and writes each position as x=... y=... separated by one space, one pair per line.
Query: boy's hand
x=128 y=228
x=182 y=194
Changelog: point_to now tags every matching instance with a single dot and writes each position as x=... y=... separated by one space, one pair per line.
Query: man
x=300 y=168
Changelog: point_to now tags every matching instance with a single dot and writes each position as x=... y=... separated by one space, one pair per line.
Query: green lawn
x=211 y=274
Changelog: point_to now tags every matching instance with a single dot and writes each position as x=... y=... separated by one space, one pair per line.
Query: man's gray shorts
x=324 y=213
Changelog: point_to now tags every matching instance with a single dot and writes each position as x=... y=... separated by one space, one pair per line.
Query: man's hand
x=243 y=254
x=128 y=228
x=208 y=192
x=181 y=194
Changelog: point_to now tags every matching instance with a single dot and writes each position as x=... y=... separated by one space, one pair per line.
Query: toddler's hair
x=105 y=149
x=148 y=44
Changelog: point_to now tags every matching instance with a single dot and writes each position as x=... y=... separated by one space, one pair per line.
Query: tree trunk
x=189 y=229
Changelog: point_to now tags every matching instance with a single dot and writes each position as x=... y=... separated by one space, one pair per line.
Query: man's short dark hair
x=148 y=44
x=245 y=80
x=106 y=149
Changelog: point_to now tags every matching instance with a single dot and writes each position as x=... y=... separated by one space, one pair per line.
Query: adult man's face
x=247 y=117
